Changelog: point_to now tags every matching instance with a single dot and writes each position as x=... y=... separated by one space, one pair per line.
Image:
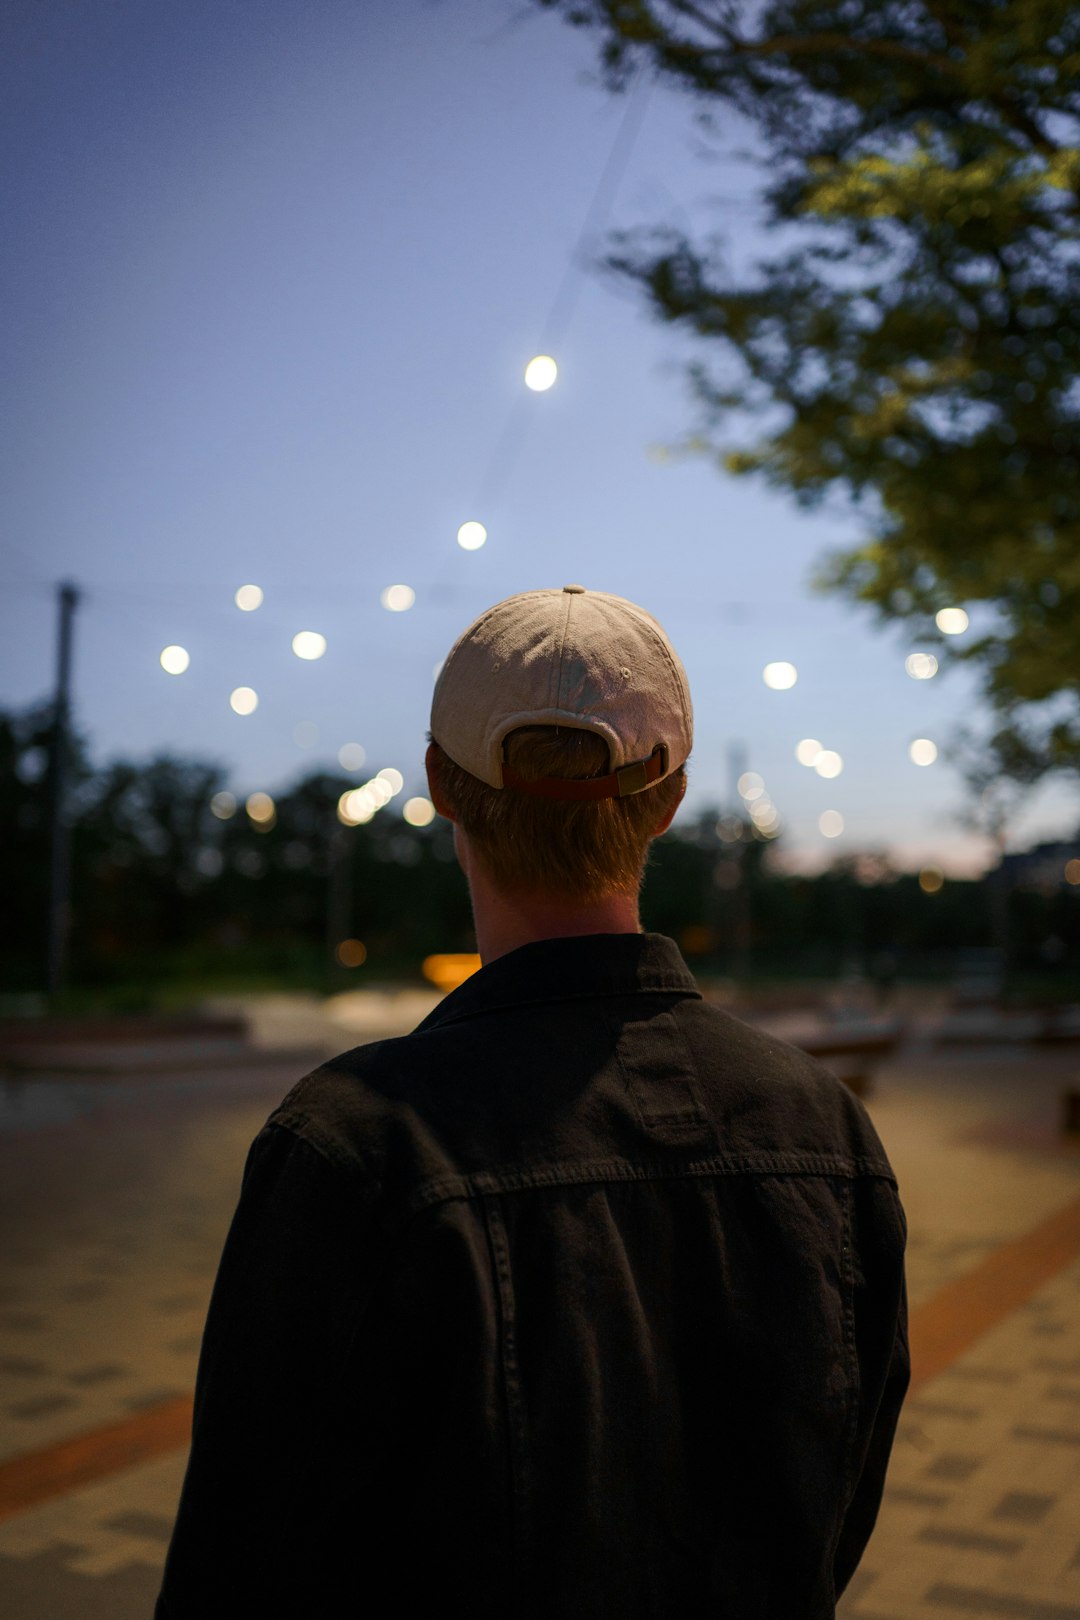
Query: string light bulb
x=540 y=373
x=471 y=535
x=174 y=660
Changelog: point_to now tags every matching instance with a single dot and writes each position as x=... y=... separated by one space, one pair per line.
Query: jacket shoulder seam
x=305 y=1130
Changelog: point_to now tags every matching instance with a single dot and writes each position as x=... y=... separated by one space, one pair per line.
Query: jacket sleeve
x=283 y=1319
x=879 y=1311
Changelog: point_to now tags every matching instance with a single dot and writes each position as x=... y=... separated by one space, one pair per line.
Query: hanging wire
x=611 y=177
x=113 y=601
x=508 y=446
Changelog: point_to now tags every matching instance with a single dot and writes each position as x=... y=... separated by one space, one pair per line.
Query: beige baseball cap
x=567 y=657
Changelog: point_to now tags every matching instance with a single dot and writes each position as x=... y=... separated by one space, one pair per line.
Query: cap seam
x=679 y=688
x=558 y=693
x=659 y=641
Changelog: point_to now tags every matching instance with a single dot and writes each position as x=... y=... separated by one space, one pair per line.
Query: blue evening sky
x=273 y=275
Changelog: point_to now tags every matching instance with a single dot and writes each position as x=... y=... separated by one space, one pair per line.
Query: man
x=585 y=1298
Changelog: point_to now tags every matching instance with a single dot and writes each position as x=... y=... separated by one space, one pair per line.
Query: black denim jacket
x=584 y=1299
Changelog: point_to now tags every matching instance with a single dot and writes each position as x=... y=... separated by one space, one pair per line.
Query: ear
x=670 y=817
x=435 y=793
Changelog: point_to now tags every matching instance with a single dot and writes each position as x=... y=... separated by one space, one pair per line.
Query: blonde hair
x=580 y=850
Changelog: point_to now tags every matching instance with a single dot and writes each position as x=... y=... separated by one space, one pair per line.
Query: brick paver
x=115 y=1203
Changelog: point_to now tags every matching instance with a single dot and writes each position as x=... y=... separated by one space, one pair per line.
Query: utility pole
x=736 y=766
x=60 y=831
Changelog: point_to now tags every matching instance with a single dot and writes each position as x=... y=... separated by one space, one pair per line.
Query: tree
x=140 y=837
x=915 y=344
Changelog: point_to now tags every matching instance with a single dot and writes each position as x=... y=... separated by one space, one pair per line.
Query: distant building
x=1042 y=867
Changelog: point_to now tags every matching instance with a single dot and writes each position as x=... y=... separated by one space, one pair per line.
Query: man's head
x=560 y=727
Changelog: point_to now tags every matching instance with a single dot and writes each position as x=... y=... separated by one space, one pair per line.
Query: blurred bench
x=851 y=1054
x=116 y=1027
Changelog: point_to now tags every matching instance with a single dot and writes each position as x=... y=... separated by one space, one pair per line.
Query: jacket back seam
x=510 y=1380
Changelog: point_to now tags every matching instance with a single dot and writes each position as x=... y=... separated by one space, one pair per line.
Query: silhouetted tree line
x=164 y=889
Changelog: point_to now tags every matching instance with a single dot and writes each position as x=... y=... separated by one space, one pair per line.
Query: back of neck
x=504 y=922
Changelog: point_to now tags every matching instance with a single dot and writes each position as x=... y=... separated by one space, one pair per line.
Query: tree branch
x=1021 y=122
x=712 y=25
x=820 y=44
x=823 y=44
x=940 y=14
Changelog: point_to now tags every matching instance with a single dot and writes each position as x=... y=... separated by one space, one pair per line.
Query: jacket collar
x=569 y=970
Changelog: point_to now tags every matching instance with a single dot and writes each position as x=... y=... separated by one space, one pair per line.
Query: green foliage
x=735 y=913
x=918 y=349
x=160 y=885
x=166 y=894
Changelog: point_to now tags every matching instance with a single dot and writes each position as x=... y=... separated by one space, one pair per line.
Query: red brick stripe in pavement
x=962 y=1311
x=941 y=1330
x=38 y=1476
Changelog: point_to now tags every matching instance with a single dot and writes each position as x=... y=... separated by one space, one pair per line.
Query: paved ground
x=982 y=1509
x=116 y=1195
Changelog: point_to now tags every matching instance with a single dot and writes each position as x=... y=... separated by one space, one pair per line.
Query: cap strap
x=619 y=785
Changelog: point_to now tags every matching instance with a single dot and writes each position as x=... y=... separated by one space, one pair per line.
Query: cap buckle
x=634 y=778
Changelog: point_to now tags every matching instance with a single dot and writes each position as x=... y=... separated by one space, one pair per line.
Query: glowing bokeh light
x=922 y=751
x=764 y=813
x=394 y=779
x=471 y=535
x=830 y=823
x=1072 y=871
x=378 y=791
x=248 y=598
x=951 y=621
x=398 y=598
x=931 y=879
x=418 y=812
x=750 y=785
x=448 y=969
x=244 y=700
x=921 y=666
x=351 y=756
x=260 y=807
x=223 y=805
x=808 y=750
x=351 y=953
x=174 y=660
x=355 y=807
x=363 y=803
x=780 y=677
x=540 y=373
x=828 y=763
x=308 y=644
